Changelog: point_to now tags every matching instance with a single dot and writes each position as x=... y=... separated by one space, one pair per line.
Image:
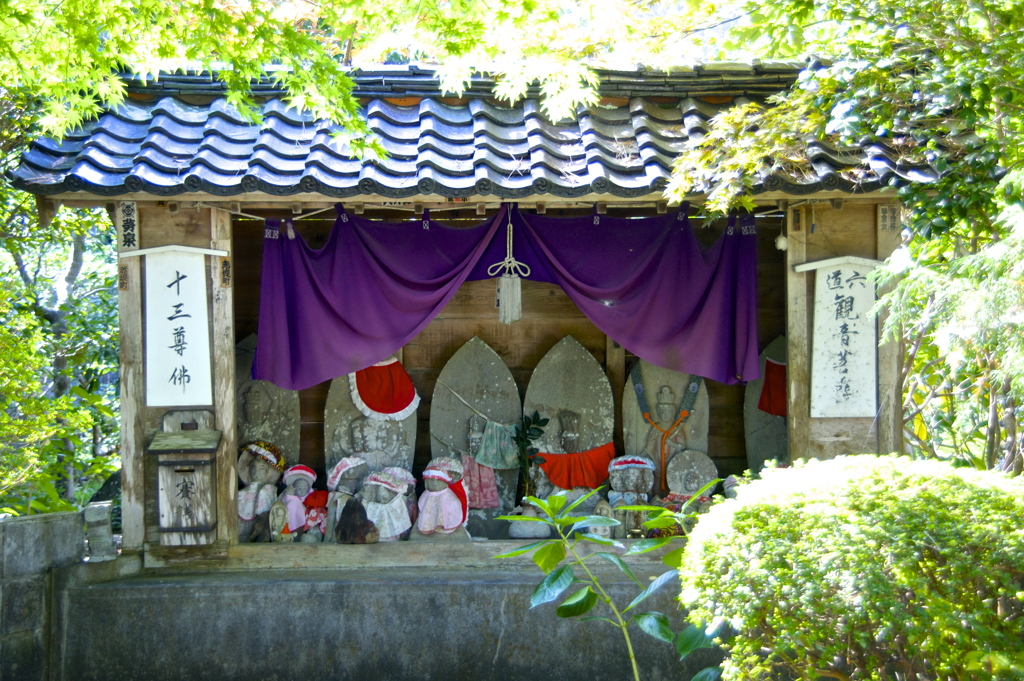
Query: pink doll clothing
x=439 y=512
x=480 y=483
x=296 y=511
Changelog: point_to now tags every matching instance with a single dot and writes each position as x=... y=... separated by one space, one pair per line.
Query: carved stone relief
x=665 y=391
x=570 y=388
x=476 y=389
x=264 y=411
x=347 y=432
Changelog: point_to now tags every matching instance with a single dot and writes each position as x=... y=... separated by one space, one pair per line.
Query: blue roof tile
x=623 y=147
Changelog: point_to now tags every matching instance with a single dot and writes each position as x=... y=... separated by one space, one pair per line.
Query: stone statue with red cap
x=298 y=482
x=383 y=497
x=631 y=478
x=443 y=505
x=259 y=468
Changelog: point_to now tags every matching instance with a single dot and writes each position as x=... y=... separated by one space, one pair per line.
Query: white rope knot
x=509 y=266
x=510 y=295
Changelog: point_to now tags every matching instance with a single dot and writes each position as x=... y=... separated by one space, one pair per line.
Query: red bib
x=579 y=469
x=384 y=391
x=773 y=392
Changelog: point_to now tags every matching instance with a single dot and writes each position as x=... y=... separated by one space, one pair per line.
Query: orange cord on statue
x=685 y=407
x=664 y=438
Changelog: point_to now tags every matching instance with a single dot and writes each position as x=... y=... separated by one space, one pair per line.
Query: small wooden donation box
x=187 y=486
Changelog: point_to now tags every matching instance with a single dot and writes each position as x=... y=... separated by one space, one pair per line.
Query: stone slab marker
x=767 y=435
x=568 y=378
x=265 y=412
x=570 y=388
x=643 y=439
x=99 y=532
x=476 y=382
x=347 y=432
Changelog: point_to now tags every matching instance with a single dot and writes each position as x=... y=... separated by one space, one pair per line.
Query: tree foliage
x=70 y=54
x=58 y=342
x=933 y=87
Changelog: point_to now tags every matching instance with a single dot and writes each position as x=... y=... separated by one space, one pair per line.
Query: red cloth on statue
x=316 y=499
x=384 y=390
x=773 y=393
x=460 y=491
x=579 y=469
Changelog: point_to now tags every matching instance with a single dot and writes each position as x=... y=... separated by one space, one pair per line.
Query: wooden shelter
x=177 y=167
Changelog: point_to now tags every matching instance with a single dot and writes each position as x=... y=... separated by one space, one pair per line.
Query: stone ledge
x=474 y=554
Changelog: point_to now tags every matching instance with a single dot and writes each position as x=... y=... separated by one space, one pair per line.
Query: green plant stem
x=623 y=624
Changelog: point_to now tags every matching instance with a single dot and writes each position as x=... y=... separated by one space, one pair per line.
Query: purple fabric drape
x=370 y=289
x=647 y=285
x=374 y=286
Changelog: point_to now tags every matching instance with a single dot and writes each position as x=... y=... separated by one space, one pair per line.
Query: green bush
x=865 y=567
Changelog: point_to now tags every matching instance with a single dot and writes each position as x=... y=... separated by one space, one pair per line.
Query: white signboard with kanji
x=844 y=375
x=177 y=330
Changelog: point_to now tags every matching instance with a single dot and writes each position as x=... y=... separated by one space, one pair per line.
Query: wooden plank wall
x=548 y=315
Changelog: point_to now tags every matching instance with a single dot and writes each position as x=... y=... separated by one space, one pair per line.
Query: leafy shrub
x=865 y=567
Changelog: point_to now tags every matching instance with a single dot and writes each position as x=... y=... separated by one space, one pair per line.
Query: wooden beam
x=133 y=446
x=223 y=324
x=314 y=201
x=798 y=336
x=890 y=354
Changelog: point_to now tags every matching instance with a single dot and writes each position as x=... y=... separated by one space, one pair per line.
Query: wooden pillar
x=133 y=447
x=615 y=368
x=890 y=354
x=798 y=336
x=223 y=324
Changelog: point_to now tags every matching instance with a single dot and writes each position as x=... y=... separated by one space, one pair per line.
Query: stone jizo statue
x=631 y=479
x=259 y=468
x=443 y=506
x=343 y=482
x=279 y=523
x=298 y=482
x=409 y=494
x=603 y=508
x=384 y=500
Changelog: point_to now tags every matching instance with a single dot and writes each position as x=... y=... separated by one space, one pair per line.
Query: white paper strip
x=177 y=331
x=844 y=373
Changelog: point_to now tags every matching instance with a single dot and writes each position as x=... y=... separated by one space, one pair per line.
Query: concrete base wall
x=30 y=547
x=393 y=624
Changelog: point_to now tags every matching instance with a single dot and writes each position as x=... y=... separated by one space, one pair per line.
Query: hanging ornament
x=510 y=290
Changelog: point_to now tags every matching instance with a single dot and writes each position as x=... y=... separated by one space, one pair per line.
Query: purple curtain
x=374 y=286
x=647 y=285
x=370 y=289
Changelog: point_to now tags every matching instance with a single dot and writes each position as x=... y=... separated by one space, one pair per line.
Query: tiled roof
x=187 y=139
